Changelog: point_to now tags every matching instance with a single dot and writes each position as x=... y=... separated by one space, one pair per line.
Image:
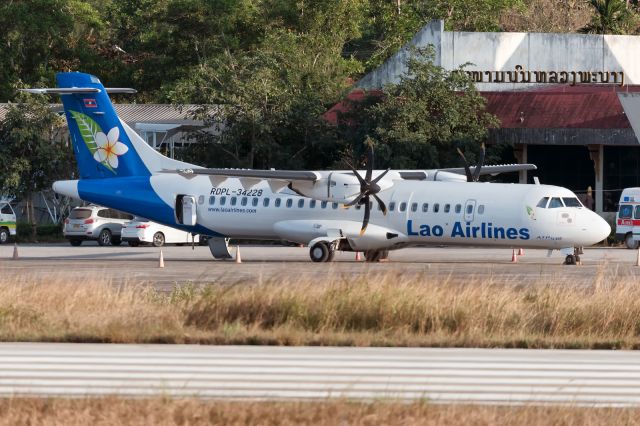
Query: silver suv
x=95 y=223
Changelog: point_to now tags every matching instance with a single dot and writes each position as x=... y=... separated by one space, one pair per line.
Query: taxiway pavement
x=183 y=265
x=482 y=376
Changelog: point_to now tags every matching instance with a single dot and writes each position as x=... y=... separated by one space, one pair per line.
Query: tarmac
x=125 y=264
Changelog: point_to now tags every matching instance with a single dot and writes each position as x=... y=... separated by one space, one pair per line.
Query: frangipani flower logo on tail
x=109 y=148
x=105 y=148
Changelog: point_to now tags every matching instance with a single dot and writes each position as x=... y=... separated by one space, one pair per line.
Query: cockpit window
x=571 y=202
x=625 y=211
x=543 y=203
x=555 y=203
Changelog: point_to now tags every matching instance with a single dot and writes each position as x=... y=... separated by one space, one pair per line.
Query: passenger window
x=234 y=200
x=458 y=208
x=243 y=201
x=255 y=202
x=414 y=207
x=212 y=200
x=289 y=203
x=436 y=208
x=403 y=206
x=223 y=200
x=323 y=204
x=278 y=202
x=127 y=216
x=543 y=203
x=201 y=199
x=334 y=205
x=265 y=202
x=636 y=214
x=312 y=204
x=555 y=203
x=392 y=206
x=571 y=202
x=103 y=213
x=481 y=209
x=425 y=207
x=469 y=208
x=300 y=203
x=625 y=211
x=447 y=207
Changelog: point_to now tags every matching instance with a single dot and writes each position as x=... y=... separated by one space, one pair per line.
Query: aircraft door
x=186 y=212
x=469 y=210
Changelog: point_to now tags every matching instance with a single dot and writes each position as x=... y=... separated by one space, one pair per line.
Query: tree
x=32 y=153
x=419 y=122
x=610 y=17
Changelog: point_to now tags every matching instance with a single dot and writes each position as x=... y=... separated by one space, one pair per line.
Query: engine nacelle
x=339 y=187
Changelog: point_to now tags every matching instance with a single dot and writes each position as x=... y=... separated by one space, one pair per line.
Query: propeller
x=368 y=188
x=475 y=176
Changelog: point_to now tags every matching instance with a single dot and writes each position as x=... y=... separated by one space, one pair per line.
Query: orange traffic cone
x=521 y=252
x=358 y=259
x=161 y=260
x=238 y=257
x=15 y=252
x=514 y=256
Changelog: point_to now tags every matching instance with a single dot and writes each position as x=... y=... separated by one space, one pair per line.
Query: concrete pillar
x=520 y=152
x=596 y=152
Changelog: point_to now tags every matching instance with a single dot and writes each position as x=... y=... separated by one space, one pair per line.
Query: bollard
x=161 y=260
x=238 y=258
x=15 y=252
x=514 y=256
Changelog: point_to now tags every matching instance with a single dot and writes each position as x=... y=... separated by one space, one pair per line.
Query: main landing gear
x=323 y=251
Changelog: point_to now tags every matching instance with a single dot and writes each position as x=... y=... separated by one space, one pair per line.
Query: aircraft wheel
x=373 y=255
x=630 y=243
x=570 y=260
x=319 y=252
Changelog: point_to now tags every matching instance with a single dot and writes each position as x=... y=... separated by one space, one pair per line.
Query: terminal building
x=569 y=103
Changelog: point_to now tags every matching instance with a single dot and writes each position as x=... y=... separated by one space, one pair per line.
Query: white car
x=95 y=223
x=143 y=231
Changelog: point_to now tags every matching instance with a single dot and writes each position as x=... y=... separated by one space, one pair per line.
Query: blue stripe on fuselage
x=134 y=195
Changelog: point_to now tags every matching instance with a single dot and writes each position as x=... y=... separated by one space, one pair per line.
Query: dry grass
x=548 y=16
x=113 y=411
x=371 y=310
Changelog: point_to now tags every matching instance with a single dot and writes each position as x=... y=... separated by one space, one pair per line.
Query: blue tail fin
x=101 y=144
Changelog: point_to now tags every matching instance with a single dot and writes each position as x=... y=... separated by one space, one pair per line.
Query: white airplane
x=385 y=210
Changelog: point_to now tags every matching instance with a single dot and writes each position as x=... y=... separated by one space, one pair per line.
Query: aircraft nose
x=600 y=228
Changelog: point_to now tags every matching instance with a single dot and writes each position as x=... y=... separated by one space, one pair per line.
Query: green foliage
x=610 y=17
x=31 y=154
x=418 y=122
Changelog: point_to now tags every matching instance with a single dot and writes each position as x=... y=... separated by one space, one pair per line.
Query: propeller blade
x=381 y=203
x=476 y=172
x=467 y=170
x=367 y=212
x=377 y=179
x=355 y=172
x=367 y=176
x=354 y=202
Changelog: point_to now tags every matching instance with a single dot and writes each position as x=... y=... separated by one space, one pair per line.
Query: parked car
x=95 y=223
x=143 y=231
x=7 y=222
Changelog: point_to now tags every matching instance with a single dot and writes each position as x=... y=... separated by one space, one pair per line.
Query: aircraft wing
x=493 y=170
x=287 y=175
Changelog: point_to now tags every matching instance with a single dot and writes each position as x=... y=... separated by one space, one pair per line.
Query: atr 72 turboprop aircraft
x=322 y=209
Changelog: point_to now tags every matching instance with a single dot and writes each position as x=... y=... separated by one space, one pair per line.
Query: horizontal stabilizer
x=76 y=90
x=494 y=170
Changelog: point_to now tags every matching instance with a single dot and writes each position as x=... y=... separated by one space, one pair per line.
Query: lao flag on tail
x=90 y=103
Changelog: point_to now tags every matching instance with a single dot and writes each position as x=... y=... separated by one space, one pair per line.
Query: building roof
x=143 y=113
x=565 y=107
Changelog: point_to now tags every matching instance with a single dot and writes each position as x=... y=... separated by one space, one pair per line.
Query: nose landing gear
x=574 y=259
